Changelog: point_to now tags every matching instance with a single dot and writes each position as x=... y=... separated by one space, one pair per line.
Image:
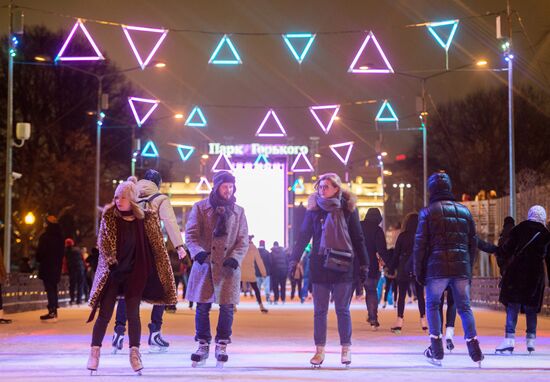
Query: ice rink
x=273 y=346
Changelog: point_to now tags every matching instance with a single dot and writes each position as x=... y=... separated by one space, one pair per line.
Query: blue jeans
x=461 y=293
x=341 y=293
x=266 y=283
x=202 y=322
x=512 y=312
x=371 y=298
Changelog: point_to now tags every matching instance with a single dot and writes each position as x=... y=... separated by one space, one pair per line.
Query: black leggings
x=450 y=316
x=256 y=290
x=403 y=290
x=295 y=288
x=106 y=309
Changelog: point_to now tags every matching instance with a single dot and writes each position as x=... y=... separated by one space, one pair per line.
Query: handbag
x=338 y=260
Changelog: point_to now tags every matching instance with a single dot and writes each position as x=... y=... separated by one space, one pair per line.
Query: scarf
x=441 y=195
x=335 y=229
x=223 y=209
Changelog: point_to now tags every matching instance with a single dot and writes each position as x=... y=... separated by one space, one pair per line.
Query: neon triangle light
x=79 y=24
x=185 y=152
x=298 y=186
x=150 y=150
x=391 y=118
x=388 y=68
x=282 y=132
x=225 y=41
x=261 y=159
x=153 y=102
x=162 y=32
x=191 y=121
x=432 y=26
x=299 y=56
x=343 y=159
x=201 y=186
x=326 y=128
x=301 y=164
x=226 y=161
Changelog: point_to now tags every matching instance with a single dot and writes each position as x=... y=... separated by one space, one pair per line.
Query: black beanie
x=153 y=176
x=223 y=177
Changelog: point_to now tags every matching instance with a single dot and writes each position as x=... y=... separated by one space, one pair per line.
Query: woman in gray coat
x=217 y=238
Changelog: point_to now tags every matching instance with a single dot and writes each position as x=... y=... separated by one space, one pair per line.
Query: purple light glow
x=141 y=62
x=388 y=69
x=79 y=24
x=281 y=128
x=343 y=159
x=304 y=167
x=227 y=163
x=203 y=183
x=326 y=128
x=153 y=102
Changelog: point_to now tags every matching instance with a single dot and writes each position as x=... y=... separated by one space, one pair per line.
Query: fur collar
x=349 y=198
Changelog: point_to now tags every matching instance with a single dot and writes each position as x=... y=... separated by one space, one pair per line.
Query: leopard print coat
x=106 y=243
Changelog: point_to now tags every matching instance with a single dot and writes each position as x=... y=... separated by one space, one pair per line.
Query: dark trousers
x=76 y=284
x=371 y=298
x=278 y=285
x=51 y=292
x=512 y=312
x=107 y=305
x=256 y=290
x=156 y=317
x=404 y=288
x=450 y=315
x=295 y=288
x=391 y=285
x=202 y=323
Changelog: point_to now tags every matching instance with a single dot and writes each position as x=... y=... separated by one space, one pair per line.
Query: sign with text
x=255 y=149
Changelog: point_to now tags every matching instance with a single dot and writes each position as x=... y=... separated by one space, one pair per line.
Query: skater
x=332 y=221
x=3 y=277
x=522 y=285
x=376 y=248
x=405 y=277
x=217 y=237
x=252 y=264
x=265 y=281
x=49 y=254
x=75 y=264
x=279 y=273
x=443 y=255
x=133 y=262
x=151 y=199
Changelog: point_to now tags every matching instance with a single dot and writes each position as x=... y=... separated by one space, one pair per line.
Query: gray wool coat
x=211 y=282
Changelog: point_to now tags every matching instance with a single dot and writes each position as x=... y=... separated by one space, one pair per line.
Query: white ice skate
x=345 y=357
x=135 y=360
x=318 y=357
x=93 y=359
x=506 y=346
x=157 y=344
x=221 y=354
x=449 y=334
x=117 y=342
x=201 y=355
x=530 y=345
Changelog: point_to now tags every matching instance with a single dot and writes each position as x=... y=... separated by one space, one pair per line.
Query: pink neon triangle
x=226 y=164
x=203 y=182
x=79 y=25
x=301 y=164
x=143 y=63
x=281 y=133
x=141 y=120
x=325 y=126
x=344 y=159
x=387 y=69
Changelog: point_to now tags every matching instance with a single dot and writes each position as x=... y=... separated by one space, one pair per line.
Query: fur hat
x=537 y=214
x=223 y=177
x=128 y=188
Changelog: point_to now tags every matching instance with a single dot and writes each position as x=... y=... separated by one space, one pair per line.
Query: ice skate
x=318 y=357
x=435 y=353
x=50 y=317
x=398 y=326
x=118 y=340
x=345 y=357
x=506 y=346
x=474 y=350
x=449 y=334
x=135 y=360
x=5 y=321
x=263 y=309
x=221 y=354
x=157 y=344
x=374 y=325
x=93 y=359
x=201 y=355
x=530 y=342
x=423 y=323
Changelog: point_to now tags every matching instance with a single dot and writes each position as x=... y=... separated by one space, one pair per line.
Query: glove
x=231 y=263
x=200 y=257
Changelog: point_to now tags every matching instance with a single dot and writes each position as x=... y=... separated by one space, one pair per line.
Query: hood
x=146 y=188
x=373 y=215
x=411 y=222
x=349 y=198
x=439 y=182
x=537 y=214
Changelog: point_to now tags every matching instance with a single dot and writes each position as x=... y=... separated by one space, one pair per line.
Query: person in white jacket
x=151 y=199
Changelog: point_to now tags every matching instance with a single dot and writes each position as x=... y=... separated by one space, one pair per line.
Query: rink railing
x=485 y=292
x=25 y=292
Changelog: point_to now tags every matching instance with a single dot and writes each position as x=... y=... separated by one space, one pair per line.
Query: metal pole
x=381 y=163
x=424 y=119
x=99 y=122
x=511 y=144
x=9 y=139
x=132 y=157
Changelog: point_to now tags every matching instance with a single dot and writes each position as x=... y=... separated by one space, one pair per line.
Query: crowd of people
x=334 y=256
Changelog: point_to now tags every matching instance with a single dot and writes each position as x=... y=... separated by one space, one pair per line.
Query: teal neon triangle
x=150 y=150
x=196 y=118
x=307 y=37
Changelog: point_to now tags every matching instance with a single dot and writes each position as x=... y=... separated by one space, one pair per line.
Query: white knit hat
x=537 y=214
x=128 y=188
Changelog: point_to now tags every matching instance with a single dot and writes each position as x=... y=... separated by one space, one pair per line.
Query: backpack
x=146 y=203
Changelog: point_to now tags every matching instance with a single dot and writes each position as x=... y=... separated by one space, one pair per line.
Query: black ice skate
x=449 y=344
x=435 y=353
x=50 y=317
x=157 y=344
x=374 y=325
x=221 y=354
x=474 y=350
x=201 y=355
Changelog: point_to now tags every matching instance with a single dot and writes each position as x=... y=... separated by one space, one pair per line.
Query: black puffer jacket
x=312 y=228
x=279 y=262
x=445 y=243
x=375 y=241
x=403 y=252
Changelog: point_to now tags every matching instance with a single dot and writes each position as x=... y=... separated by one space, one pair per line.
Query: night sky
x=271 y=77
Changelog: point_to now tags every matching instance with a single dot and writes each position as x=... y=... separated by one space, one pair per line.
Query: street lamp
x=30 y=218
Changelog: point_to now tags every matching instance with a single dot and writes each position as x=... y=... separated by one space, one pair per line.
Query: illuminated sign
x=255 y=149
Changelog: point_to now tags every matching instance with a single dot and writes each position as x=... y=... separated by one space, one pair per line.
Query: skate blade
x=530 y=350
x=315 y=366
x=49 y=321
x=435 y=362
x=93 y=371
x=507 y=351
x=138 y=372
x=198 y=363
x=220 y=364
x=157 y=349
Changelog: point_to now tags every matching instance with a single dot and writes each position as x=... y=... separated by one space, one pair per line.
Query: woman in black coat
x=523 y=281
x=332 y=221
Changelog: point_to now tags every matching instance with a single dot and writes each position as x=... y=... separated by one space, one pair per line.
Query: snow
x=273 y=346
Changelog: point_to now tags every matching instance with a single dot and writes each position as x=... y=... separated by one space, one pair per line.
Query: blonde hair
x=330 y=176
x=129 y=188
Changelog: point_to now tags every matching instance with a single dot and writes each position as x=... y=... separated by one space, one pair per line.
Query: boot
x=50 y=317
x=449 y=334
x=221 y=353
x=506 y=346
x=135 y=360
x=530 y=342
x=346 y=355
x=398 y=325
x=93 y=359
x=156 y=343
x=435 y=353
x=263 y=309
x=474 y=350
x=423 y=323
x=118 y=338
x=318 y=357
x=200 y=356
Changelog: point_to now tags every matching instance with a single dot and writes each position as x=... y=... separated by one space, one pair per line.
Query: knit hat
x=128 y=188
x=223 y=177
x=537 y=214
x=153 y=176
x=69 y=242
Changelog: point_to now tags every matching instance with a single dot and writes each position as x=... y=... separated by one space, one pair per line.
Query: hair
x=330 y=176
x=136 y=209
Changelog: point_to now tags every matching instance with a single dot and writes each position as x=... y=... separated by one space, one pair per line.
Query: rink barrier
x=25 y=292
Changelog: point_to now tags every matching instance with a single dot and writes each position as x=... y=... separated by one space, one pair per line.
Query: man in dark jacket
x=375 y=241
x=261 y=280
x=76 y=271
x=50 y=256
x=444 y=251
x=279 y=272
